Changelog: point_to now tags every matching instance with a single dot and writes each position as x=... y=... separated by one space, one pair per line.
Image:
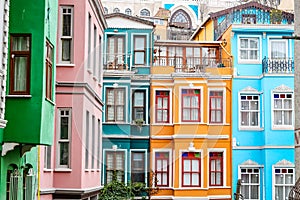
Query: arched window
x=116 y=10
x=145 y=12
x=128 y=11
x=181 y=19
x=28 y=182
x=12 y=181
x=105 y=10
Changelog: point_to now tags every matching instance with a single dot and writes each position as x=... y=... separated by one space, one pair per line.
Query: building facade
x=126 y=86
x=29 y=105
x=262 y=97
x=71 y=168
x=191 y=120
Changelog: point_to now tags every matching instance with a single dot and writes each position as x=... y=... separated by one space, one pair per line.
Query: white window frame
x=66 y=37
x=145 y=164
x=104 y=163
x=288 y=127
x=259 y=179
x=259 y=111
x=58 y=165
x=201 y=104
x=274 y=178
x=171 y=163
x=222 y=150
x=201 y=170
x=47 y=158
x=259 y=50
x=272 y=39
x=224 y=105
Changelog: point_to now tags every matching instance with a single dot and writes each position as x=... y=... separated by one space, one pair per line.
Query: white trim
x=191 y=136
x=263 y=147
x=104 y=163
x=223 y=105
x=58 y=140
x=223 y=150
x=259 y=54
x=170 y=106
x=201 y=170
x=171 y=165
x=201 y=114
x=145 y=162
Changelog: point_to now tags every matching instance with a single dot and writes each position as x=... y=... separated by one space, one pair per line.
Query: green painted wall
x=31 y=119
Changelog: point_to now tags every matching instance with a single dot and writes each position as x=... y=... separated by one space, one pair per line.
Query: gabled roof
x=128 y=17
x=252 y=4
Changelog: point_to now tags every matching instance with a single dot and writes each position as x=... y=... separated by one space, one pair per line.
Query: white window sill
x=251 y=128
x=19 y=96
x=48 y=170
x=249 y=62
x=50 y=101
x=63 y=170
x=282 y=127
x=65 y=65
x=219 y=187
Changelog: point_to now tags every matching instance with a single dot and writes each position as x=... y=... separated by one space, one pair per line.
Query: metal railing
x=276 y=66
x=116 y=62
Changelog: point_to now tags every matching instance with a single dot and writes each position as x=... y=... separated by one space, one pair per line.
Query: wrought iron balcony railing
x=278 y=66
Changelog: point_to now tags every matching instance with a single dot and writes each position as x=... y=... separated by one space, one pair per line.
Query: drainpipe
x=39 y=173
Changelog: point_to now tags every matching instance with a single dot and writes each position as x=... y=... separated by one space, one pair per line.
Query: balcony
x=116 y=62
x=191 y=64
x=278 y=66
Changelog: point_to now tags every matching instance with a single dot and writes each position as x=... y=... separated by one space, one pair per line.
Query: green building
x=29 y=104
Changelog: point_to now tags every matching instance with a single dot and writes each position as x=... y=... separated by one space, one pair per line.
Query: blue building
x=126 y=84
x=262 y=98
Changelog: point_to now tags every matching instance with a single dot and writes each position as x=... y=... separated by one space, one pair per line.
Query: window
x=47 y=157
x=138 y=105
x=19 y=75
x=87 y=137
x=180 y=18
x=115 y=51
x=95 y=52
x=278 y=49
x=283 y=109
x=12 y=181
x=249 y=110
x=250 y=183
x=216 y=168
x=128 y=11
x=249 y=49
x=116 y=10
x=191 y=169
x=139 y=50
x=115 y=162
x=98 y=150
x=93 y=142
x=162 y=109
x=162 y=169
x=215 y=106
x=105 y=10
x=28 y=183
x=145 y=12
x=49 y=70
x=64 y=137
x=89 y=41
x=115 y=104
x=284 y=181
x=138 y=167
x=66 y=37
x=191 y=105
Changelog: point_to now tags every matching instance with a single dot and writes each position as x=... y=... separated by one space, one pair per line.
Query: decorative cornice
x=249 y=162
x=249 y=89
x=284 y=162
x=283 y=88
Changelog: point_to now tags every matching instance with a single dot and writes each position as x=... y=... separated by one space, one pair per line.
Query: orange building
x=191 y=120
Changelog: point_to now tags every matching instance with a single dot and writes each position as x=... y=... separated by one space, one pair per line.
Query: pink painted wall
x=81 y=99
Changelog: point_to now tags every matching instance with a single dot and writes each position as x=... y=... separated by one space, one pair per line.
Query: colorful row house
x=71 y=167
x=262 y=97
x=127 y=59
x=29 y=43
x=190 y=141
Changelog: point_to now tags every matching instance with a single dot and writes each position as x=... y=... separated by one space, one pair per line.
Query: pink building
x=71 y=168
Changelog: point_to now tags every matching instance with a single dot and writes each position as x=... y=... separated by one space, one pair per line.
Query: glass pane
x=277 y=104
x=253 y=54
x=66 y=25
x=120 y=113
x=212 y=178
x=165 y=178
x=138 y=99
x=165 y=103
x=254 y=119
x=139 y=43
x=244 y=43
x=218 y=165
x=279 y=193
x=64 y=128
x=186 y=179
x=254 y=192
x=245 y=105
x=21 y=43
x=277 y=117
x=288 y=118
x=165 y=166
x=213 y=165
x=139 y=58
x=110 y=113
x=287 y=103
x=245 y=191
x=195 y=165
x=244 y=54
x=245 y=119
x=195 y=101
x=159 y=178
x=218 y=178
x=20 y=73
x=66 y=49
x=195 y=179
x=109 y=161
x=245 y=178
x=253 y=44
x=186 y=101
x=254 y=178
x=159 y=102
x=120 y=97
x=186 y=114
x=194 y=114
x=64 y=154
x=289 y=179
x=186 y=165
x=254 y=105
